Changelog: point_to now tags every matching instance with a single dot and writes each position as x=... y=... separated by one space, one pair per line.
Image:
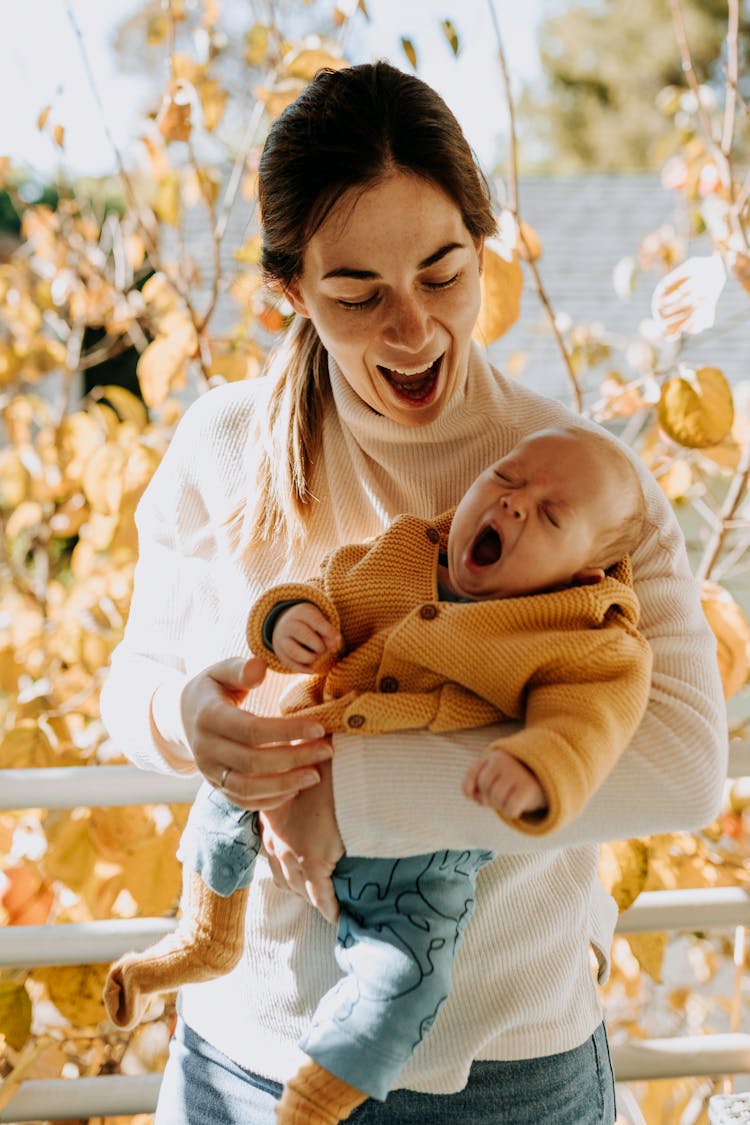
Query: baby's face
x=532 y=521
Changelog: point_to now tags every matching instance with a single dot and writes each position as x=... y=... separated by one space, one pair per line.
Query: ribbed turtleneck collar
x=375 y=433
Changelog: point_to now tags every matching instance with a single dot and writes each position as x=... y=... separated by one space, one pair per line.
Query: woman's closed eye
x=366 y=303
x=449 y=281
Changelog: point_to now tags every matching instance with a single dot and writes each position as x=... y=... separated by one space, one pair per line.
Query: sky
x=40 y=64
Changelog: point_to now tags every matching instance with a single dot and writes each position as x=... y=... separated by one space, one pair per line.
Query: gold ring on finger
x=224 y=775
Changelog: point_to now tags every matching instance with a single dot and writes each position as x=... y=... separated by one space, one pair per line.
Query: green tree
x=604 y=64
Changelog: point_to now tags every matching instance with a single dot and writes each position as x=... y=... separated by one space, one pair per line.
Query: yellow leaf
x=741 y=270
x=648 y=950
x=409 y=50
x=307 y=62
x=730 y=627
x=152 y=873
x=166 y=202
x=102 y=479
x=41 y=120
x=70 y=855
x=58 y=135
x=256 y=44
x=213 y=99
x=26 y=747
x=529 y=243
x=15 y=1017
x=277 y=97
x=236 y=365
x=696 y=408
x=174 y=120
x=159 y=294
x=28 y=516
x=249 y=251
x=14 y=479
x=117 y=832
x=135 y=250
x=141 y=466
x=211 y=13
x=623 y=870
x=76 y=991
x=162 y=366
x=41 y=1057
x=128 y=406
x=95 y=652
x=502 y=284
x=78 y=438
x=676 y=481
x=450 y=33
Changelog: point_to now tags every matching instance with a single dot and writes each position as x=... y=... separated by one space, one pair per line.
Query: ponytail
x=292 y=435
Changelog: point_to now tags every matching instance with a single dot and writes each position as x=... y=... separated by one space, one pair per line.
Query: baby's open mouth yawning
x=487 y=547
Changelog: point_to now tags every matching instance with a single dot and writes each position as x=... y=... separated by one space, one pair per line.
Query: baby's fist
x=302 y=636
x=499 y=781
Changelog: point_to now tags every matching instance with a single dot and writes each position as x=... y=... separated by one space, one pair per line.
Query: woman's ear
x=294 y=296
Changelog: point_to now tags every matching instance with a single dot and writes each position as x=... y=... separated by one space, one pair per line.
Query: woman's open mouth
x=415 y=384
x=486 y=548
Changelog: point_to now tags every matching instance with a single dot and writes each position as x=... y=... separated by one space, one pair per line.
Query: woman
x=373 y=217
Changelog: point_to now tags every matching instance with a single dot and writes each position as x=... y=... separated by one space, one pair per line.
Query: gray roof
x=586 y=225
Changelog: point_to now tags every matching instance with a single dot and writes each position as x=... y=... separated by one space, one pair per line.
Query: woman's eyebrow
x=371 y=275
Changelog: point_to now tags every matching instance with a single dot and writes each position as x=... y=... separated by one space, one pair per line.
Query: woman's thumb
x=239 y=676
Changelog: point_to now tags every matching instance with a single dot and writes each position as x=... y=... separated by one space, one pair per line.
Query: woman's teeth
x=415 y=383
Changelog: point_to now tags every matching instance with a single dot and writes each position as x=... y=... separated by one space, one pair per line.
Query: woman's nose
x=407 y=323
x=514 y=505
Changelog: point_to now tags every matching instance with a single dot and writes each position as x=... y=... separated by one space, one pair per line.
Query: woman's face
x=391 y=283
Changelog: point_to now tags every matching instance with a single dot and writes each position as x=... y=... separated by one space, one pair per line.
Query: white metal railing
x=102 y=941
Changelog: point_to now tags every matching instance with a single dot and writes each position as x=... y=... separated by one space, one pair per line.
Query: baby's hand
x=302 y=635
x=501 y=782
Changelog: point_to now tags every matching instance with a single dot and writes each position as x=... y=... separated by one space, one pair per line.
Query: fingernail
x=313 y=730
x=309 y=779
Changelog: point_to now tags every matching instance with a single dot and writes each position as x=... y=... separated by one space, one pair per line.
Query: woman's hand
x=258 y=761
x=303 y=844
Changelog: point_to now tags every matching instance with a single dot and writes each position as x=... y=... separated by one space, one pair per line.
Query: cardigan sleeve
x=579 y=718
x=670 y=776
x=314 y=592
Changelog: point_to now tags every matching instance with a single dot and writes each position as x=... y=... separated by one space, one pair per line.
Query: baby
x=517 y=605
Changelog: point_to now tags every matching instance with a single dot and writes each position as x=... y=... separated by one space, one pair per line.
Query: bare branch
x=513 y=205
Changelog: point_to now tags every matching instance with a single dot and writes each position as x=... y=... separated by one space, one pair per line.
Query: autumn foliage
x=90 y=283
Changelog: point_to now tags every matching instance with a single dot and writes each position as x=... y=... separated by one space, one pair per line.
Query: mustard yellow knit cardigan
x=570 y=664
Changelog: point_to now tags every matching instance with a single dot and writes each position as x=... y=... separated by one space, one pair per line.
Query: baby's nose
x=514 y=506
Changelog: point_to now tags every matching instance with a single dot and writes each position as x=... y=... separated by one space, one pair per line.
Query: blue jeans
x=203 y=1087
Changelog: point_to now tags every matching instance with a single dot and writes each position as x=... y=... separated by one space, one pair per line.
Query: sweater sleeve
x=140 y=702
x=670 y=776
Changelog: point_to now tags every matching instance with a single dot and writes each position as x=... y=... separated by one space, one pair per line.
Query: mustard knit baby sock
x=207 y=943
x=316 y=1097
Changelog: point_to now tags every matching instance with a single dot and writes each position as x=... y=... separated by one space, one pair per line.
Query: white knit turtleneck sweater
x=523 y=983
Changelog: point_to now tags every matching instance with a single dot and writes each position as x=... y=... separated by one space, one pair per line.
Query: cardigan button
x=389 y=684
x=433 y=534
x=356 y=721
x=428 y=612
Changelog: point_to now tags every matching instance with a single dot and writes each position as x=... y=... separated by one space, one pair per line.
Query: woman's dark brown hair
x=347 y=131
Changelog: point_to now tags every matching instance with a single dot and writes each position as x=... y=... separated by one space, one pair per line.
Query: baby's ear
x=589 y=576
